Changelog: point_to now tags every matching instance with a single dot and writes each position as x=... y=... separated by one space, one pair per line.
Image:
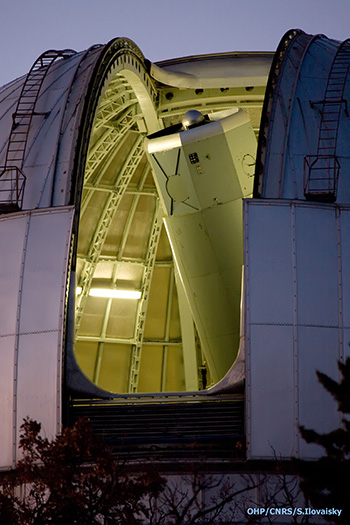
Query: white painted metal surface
x=232 y=70
x=297 y=264
x=33 y=290
x=302 y=117
x=49 y=125
x=201 y=177
x=12 y=234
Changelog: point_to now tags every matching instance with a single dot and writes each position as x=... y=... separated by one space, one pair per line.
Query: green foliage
x=73 y=479
x=326 y=482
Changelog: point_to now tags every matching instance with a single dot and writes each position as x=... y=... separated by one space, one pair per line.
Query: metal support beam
x=105 y=221
x=167 y=329
x=131 y=341
x=131 y=213
x=100 y=172
x=188 y=338
x=98 y=362
x=123 y=241
x=113 y=105
x=125 y=260
x=122 y=115
x=164 y=368
x=107 y=188
x=100 y=150
x=143 y=303
x=99 y=355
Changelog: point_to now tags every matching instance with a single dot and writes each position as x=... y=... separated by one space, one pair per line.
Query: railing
x=12 y=183
x=321 y=173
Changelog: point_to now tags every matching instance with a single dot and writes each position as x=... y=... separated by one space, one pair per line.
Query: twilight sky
x=161 y=28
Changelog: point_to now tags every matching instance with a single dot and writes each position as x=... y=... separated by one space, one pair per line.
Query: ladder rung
x=13 y=148
x=329 y=125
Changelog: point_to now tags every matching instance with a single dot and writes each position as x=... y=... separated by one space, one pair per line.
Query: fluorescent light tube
x=121 y=294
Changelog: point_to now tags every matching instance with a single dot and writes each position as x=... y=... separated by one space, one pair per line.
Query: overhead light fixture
x=120 y=294
x=111 y=293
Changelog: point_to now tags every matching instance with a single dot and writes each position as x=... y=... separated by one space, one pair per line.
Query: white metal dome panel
x=303 y=151
x=31 y=354
x=270 y=391
x=318 y=349
x=12 y=234
x=343 y=234
x=284 y=351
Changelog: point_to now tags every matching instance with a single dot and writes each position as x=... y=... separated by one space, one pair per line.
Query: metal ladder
x=321 y=171
x=12 y=178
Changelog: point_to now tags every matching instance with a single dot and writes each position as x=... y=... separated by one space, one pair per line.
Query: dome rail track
x=268 y=107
